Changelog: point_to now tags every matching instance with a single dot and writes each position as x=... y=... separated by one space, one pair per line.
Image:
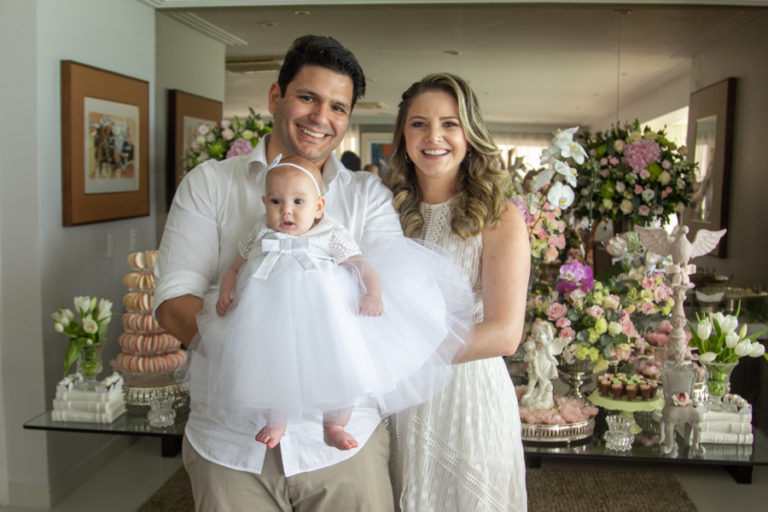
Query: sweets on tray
x=146 y=348
x=622 y=387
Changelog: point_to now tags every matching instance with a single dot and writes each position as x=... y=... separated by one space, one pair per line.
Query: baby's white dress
x=462 y=450
x=294 y=342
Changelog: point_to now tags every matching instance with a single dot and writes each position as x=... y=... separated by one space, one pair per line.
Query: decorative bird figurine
x=677 y=244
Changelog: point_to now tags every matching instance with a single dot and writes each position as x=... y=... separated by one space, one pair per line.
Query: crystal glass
x=719 y=378
x=161 y=412
x=89 y=366
x=619 y=437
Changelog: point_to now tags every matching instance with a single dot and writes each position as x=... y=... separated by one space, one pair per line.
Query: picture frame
x=710 y=143
x=105 y=145
x=375 y=148
x=186 y=112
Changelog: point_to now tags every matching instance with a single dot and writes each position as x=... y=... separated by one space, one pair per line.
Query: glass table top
x=127 y=424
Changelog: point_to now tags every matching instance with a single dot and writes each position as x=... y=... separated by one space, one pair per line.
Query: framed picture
x=105 y=145
x=375 y=148
x=710 y=143
x=186 y=112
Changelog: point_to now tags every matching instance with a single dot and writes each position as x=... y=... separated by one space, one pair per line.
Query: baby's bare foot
x=270 y=436
x=336 y=436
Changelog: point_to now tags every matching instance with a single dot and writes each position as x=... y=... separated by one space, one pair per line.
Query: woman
x=462 y=450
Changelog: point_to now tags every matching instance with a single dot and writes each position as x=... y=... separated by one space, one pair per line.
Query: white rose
x=648 y=194
x=247 y=134
x=620 y=187
x=626 y=207
x=618 y=145
x=664 y=178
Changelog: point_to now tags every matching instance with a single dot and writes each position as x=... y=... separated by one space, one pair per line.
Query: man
x=215 y=206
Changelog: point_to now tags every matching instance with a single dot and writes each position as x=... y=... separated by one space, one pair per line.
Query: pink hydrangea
x=240 y=147
x=641 y=153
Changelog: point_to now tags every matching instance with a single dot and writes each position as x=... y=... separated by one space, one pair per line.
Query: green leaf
x=73 y=350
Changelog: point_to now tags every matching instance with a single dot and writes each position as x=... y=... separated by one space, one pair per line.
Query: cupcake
x=631 y=390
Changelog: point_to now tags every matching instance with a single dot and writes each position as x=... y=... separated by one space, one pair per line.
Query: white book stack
x=102 y=405
x=731 y=424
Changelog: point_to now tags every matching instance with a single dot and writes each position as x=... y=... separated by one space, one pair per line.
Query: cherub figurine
x=540 y=351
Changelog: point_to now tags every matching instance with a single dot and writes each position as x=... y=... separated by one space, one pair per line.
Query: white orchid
x=542 y=178
x=560 y=195
x=567 y=172
x=567 y=147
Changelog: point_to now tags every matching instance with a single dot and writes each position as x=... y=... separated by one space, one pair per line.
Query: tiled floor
x=134 y=476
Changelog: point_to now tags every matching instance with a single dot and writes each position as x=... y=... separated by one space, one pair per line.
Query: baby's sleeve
x=343 y=246
x=246 y=244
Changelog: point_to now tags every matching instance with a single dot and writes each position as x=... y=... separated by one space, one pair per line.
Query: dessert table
x=738 y=460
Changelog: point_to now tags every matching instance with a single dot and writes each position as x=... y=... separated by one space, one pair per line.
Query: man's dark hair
x=326 y=52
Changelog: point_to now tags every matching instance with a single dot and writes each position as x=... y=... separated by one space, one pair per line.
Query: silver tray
x=558 y=433
x=137 y=398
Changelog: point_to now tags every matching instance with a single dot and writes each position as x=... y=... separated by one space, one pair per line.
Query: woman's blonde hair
x=482 y=181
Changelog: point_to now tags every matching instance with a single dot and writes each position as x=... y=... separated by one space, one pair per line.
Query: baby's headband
x=276 y=163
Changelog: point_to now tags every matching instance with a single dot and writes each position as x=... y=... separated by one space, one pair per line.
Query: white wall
x=22 y=453
x=42 y=264
x=665 y=98
x=742 y=55
x=189 y=61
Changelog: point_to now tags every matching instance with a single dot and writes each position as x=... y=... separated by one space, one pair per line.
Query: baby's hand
x=225 y=301
x=371 y=305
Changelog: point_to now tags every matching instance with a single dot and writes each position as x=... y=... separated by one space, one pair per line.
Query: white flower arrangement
x=95 y=315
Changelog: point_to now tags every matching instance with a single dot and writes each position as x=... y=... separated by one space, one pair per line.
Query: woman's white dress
x=462 y=450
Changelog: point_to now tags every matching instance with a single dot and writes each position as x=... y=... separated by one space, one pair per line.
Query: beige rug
x=549 y=490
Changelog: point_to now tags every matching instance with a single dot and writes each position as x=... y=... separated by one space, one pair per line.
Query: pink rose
x=643 y=210
x=556 y=311
x=665 y=326
x=595 y=312
x=645 y=174
x=567 y=333
x=550 y=255
x=638 y=189
x=562 y=322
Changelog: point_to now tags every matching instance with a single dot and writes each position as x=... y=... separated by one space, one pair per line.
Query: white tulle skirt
x=294 y=342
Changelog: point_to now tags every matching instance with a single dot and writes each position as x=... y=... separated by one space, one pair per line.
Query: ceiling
x=531 y=64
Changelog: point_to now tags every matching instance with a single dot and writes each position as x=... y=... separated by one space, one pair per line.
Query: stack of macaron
x=146 y=347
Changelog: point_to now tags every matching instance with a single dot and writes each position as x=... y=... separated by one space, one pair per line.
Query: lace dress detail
x=462 y=450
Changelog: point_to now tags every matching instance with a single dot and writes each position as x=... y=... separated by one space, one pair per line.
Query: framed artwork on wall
x=375 y=148
x=710 y=143
x=186 y=112
x=105 y=145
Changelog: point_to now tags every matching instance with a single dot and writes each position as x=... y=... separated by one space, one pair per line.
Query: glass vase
x=719 y=378
x=89 y=366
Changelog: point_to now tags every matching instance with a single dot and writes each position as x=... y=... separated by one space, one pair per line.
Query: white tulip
x=82 y=303
x=58 y=327
x=729 y=323
x=704 y=329
x=68 y=316
x=758 y=349
x=707 y=357
x=57 y=317
x=743 y=348
x=90 y=326
x=732 y=339
x=105 y=309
